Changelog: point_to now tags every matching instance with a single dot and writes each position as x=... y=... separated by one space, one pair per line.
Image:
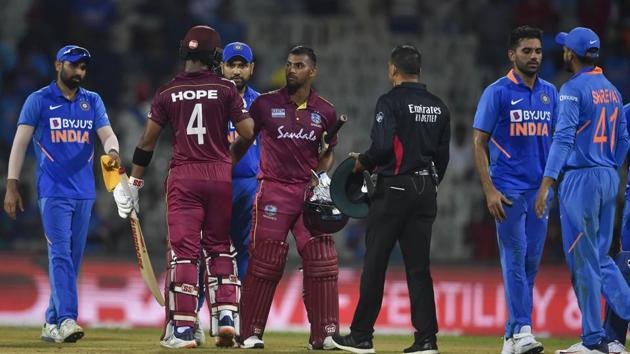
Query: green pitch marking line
x=144 y=341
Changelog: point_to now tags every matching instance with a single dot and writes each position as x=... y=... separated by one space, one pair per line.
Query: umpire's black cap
x=345 y=190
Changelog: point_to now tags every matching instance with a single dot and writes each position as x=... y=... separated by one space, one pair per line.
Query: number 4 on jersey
x=195 y=124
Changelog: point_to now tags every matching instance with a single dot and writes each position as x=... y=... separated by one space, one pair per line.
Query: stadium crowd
x=131 y=43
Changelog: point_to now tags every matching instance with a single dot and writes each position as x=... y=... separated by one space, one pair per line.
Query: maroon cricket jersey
x=198 y=106
x=290 y=135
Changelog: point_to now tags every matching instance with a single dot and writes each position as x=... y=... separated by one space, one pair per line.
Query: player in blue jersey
x=616 y=327
x=589 y=145
x=62 y=119
x=238 y=66
x=514 y=122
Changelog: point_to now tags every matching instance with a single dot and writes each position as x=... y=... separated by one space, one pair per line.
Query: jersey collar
x=413 y=85
x=309 y=102
x=516 y=80
x=249 y=92
x=596 y=70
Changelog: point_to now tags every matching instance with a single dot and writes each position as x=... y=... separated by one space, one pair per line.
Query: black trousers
x=403 y=209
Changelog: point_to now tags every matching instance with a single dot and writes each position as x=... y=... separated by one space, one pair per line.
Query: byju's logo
x=516 y=116
x=55 y=123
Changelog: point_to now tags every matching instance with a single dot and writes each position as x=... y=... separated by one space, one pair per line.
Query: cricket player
x=291 y=122
x=198 y=105
x=589 y=145
x=61 y=119
x=514 y=122
x=238 y=66
x=616 y=327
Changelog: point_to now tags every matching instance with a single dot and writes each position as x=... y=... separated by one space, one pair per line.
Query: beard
x=239 y=82
x=526 y=70
x=72 y=82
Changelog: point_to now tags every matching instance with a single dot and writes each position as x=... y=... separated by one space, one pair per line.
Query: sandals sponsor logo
x=300 y=135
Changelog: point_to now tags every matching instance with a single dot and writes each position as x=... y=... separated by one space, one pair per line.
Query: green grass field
x=26 y=340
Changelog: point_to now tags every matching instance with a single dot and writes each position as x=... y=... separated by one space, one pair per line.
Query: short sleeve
x=157 y=113
x=256 y=112
x=100 y=113
x=487 y=110
x=332 y=119
x=236 y=106
x=30 y=110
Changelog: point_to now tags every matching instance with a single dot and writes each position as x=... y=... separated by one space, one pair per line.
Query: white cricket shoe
x=175 y=338
x=253 y=342
x=50 y=333
x=69 y=331
x=328 y=344
x=525 y=343
x=616 y=348
x=579 y=348
x=508 y=346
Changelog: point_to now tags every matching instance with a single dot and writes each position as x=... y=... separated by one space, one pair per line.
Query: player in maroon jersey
x=291 y=122
x=197 y=104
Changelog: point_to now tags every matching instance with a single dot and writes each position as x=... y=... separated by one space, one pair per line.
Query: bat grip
x=335 y=128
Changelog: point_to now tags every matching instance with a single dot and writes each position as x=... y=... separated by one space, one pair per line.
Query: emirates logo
x=193 y=44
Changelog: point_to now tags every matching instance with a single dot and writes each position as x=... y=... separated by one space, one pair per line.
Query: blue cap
x=580 y=40
x=238 y=49
x=73 y=54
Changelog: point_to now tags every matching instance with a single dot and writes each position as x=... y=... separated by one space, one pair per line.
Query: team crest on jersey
x=544 y=98
x=316 y=118
x=55 y=123
x=379 y=117
x=84 y=106
x=278 y=113
x=270 y=211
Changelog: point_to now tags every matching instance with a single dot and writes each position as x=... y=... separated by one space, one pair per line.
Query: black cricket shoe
x=348 y=343
x=426 y=347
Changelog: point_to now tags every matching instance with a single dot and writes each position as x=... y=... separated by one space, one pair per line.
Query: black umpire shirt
x=411 y=129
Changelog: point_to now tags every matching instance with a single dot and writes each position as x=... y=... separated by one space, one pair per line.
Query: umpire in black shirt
x=409 y=152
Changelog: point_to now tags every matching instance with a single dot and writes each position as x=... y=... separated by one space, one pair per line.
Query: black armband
x=142 y=157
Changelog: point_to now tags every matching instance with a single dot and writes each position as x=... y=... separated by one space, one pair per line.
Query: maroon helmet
x=202 y=43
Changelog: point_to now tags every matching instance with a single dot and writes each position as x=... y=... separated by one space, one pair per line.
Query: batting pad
x=111 y=177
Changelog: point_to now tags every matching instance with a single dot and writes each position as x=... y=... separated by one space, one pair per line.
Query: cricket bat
x=144 y=262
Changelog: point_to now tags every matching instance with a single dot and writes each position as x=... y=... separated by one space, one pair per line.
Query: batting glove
x=127 y=198
x=321 y=191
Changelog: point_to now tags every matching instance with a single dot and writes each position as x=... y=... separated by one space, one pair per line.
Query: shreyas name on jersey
x=529 y=123
x=66 y=130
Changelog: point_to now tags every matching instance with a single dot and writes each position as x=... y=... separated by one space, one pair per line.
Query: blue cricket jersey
x=249 y=165
x=592 y=129
x=64 y=140
x=626 y=112
x=520 y=122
